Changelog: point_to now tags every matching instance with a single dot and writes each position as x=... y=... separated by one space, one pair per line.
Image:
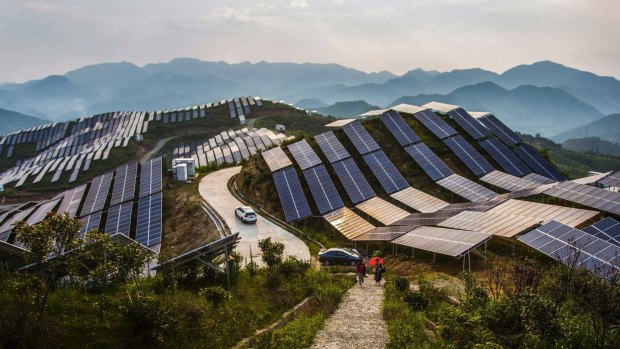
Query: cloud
x=299 y=4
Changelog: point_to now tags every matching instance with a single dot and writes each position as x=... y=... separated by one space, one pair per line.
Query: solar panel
x=361 y=139
x=41 y=212
x=384 y=233
x=399 y=129
x=97 y=194
x=604 y=200
x=508 y=160
x=149 y=222
x=507 y=225
x=331 y=147
x=419 y=200
x=537 y=163
x=445 y=241
x=472 y=126
x=435 y=124
x=304 y=154
x=574 y=247
x=151 y=177
x=119 y=219
x=381 y=210
x=390 y=179
x=354 y=182
x=90 y=222
x=124 y=183
x=323 y=189
x=545 y=212
x=291 y=194
x=429 y=161
x=71 y=201
x=508 y=182
x=466 y=188
x=535 y=177
x=607 y=229
x=613 y=180
x=508 y=136
x=470 y=156
x=276 y=159
x=348 y=223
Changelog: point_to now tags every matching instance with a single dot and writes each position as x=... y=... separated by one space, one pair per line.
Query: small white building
x=179 y=172
x=190 y=164
x=280 y=128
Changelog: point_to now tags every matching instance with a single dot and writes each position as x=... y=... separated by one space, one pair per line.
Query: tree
x=272 y=252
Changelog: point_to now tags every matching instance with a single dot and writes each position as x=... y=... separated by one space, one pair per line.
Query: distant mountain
x=11 y=121
x=347 y=109
x=530 y=109
x=592 y=145
x=310 y=103
x=607 y=128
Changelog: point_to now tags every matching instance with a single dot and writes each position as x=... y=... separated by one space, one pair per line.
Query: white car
x=246 y=214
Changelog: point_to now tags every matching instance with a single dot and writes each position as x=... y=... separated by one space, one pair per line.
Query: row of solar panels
x=97 y=203
x=228 y=147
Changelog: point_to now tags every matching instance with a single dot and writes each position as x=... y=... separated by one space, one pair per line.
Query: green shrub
x=416 y=300
x=298 y=333
x=216 y=295
x=293 y=266
x=401 y=283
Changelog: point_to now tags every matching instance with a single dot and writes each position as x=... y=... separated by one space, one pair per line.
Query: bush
x=215 y=295
x=298 y=333
x=149 y=318
x=416 y=300
x=401 y=283
x=293 y=267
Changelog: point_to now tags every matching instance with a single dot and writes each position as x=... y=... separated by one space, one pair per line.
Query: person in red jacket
x=361 y=273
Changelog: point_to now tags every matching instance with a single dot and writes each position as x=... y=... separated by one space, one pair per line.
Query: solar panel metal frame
x=435 y=124
x=505 y=157
x=323 y=189
x=291 y=194
x=353 y=181
x=331 y=147
x=469 y=155
x=384 y=170
x=361 y=139
x=399 y=128
x=303 y=154
x=429 y=161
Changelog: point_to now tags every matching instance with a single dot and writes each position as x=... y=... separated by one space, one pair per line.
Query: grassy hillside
x=592 y=145
x=606 y=128
x=347 y=109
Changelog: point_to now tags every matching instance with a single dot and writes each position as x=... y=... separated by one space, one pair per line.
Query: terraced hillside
x=445 y=181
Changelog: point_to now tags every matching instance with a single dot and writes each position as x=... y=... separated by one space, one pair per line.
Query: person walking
x=379 y=270
x=361 y=273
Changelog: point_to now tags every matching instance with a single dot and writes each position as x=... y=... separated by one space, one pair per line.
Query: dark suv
x=346 y=256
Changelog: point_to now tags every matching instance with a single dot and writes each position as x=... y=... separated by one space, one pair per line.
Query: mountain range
x=544 y=97
x=12 y=121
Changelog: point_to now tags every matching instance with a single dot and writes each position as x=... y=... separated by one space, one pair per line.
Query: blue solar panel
x=149 y=225
x=390 y=179
x=119 y=219
x=537 y=163
x=399 y=128
x=361 y=139
x=354 y=182
x=429 y=161
x=472 y=126
x=435 y=124
x=124 y=183
x=607 y=229
x=151 y=177
x=470 y=156
x=291 y=195
x=304 y=154
x=500 y=129
x=90 y=222
x=508 y=160
x=323 y=189
x=331 y=147
x=97 y=194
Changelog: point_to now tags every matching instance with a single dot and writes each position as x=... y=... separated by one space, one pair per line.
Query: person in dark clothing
x=379 y=270
x=361 y=273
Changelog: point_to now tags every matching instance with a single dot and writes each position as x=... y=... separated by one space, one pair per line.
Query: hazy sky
x=44 y=37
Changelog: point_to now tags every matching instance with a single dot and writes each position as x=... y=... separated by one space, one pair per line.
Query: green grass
x=296 y=122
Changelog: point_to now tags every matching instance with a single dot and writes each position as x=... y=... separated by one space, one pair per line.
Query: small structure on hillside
x=190 y=165
x=280 y=128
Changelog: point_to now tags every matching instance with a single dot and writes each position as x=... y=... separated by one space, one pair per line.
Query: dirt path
x=158 y=146
x=358 y=321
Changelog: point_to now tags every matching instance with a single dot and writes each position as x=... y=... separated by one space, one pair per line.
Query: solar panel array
x=354 y=182
x=97 y=194
x=291 y=195
x=472 y=126
x=604 y=200
x=613 y=180
x=390 y=179
x=151 y=177
x=149 y=222
x=435 y=124
x=507 y=225
x=429 y=161
x=323 y=189
x=124 y=183
x=508 y=136
x=469 y=155
x=505 y=157
x=574 y=247
x=119 y=219
x=466 y=188
x=331 y=147
x=607 y=229
x=537 y=163
x=545 y=212
x=381 y=210
x=399 y=129
x=71 y=201
x=303 y=154
x=361 y=139
x=445 y=241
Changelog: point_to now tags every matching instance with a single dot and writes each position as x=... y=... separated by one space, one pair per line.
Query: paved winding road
x=213 y=188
